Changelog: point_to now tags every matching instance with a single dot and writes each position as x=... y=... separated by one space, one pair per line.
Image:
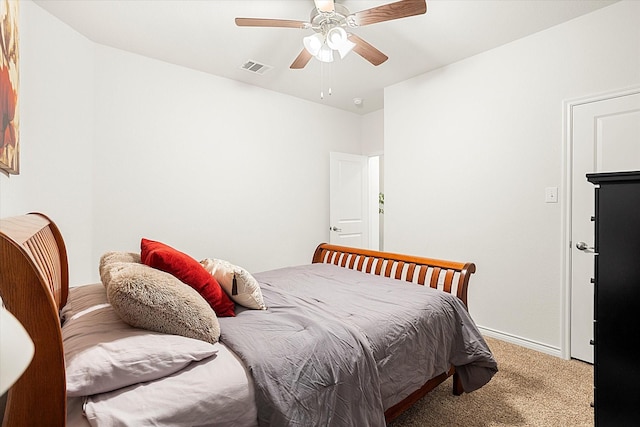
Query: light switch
x=551 y=195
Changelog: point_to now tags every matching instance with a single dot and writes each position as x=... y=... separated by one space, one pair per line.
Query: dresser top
x=610 y=177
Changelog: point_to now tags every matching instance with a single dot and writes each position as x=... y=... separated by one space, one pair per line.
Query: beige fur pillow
x=109 y=258
x=152 y=299
x=237 y=282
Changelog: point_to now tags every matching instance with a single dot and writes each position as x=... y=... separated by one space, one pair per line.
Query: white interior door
x=605 y=138
x=348 y=200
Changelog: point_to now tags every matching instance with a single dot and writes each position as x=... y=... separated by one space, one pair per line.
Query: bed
x=34 y=287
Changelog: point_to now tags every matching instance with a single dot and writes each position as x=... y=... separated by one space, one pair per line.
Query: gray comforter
x=337 y=347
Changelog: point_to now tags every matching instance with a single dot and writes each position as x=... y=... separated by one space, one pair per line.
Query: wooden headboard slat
x=345 y=257
x=399 y=270
x=353 y=260
x=379 y=263
x=422 y=276
x=45 y=252
x=410 y=270
x=387 y=272
x=448 y=280
x=435 y=275
x=369 y=264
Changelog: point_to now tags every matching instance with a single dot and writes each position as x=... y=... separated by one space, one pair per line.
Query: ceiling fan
x=330 y=22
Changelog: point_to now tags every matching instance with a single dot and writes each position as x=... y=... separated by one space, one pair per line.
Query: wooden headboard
x=449 y=276
x=34 y=283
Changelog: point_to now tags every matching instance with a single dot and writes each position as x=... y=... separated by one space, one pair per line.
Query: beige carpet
x=530 y=389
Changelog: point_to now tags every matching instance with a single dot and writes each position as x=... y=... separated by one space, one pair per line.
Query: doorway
x=355 y=208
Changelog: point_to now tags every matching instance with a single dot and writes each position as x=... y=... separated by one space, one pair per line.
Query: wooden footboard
x=448 y=276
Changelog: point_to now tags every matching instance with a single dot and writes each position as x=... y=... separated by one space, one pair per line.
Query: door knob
x=583 y=246
x=334 y=228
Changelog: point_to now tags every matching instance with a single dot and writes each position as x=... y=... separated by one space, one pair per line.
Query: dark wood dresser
x=617 y=299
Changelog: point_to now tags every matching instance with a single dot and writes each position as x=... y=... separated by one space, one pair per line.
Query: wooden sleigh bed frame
x=34 y=285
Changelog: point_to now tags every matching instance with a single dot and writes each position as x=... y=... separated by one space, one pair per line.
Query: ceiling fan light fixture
x=346 y=47
x=313 y=43
x=325 y=54
x=336 y=37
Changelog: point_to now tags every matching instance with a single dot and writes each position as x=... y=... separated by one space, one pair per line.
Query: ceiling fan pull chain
x=325 y=75
x=322 y=65
x=330 y=65
x=328 y=74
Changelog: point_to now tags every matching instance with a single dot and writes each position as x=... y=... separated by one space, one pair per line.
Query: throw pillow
x=152 y=299
x=237 y=282
x=188 y=270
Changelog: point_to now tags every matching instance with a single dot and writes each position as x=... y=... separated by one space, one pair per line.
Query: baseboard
x=523 y=342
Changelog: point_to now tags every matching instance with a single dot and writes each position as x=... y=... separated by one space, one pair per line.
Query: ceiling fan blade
x=301 y=61
x=265 y=22
x=367 y=51
x=325 y=5
x=388 y=12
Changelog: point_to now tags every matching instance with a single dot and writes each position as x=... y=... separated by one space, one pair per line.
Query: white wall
x=213 y=167
x=470 y=148
x=116 y=147
x=56 y=125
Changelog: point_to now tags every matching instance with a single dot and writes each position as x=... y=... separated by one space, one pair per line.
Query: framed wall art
x=9 y=84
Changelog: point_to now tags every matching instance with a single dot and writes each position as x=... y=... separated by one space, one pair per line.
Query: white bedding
x=216 y=391
x=189 y=398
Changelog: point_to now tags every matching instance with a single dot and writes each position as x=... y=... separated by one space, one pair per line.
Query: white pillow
x=245 y=291
x=103 y=353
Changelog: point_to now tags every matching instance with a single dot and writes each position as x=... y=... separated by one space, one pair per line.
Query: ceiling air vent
x=255 y=67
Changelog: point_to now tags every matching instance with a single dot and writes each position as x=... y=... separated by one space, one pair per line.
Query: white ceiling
x=202 y=35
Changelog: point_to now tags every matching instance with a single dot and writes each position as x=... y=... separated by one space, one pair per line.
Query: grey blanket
x=337 y=347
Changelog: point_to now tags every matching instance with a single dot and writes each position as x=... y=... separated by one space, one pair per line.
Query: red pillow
x=188 y=270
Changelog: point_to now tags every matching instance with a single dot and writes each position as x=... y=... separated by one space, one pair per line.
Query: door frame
x=373 y=205
x=567 y=184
